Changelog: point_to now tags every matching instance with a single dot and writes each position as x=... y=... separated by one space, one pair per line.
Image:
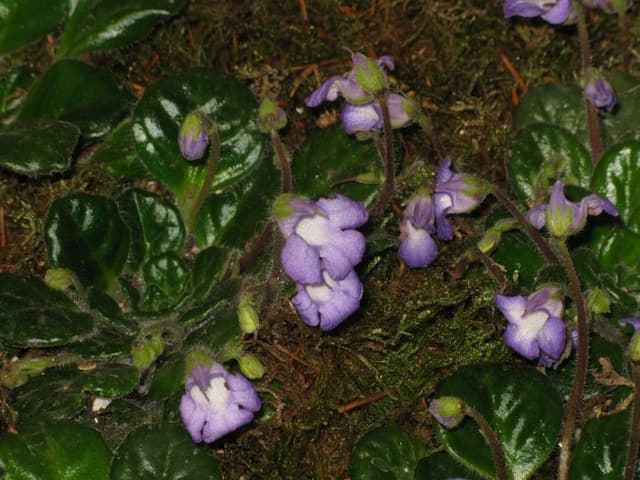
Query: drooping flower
x=321 y=236
x=329 y=303
x=193 y=137
x=417 y=248
x=563 y=217
x=216 y=403
x=535 y=329
x=455 y=193
x=364 y=118
x=552 y=11
x=601 y=95
x=448 y=411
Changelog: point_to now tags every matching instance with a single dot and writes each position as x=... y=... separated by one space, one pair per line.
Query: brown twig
x=361 y=402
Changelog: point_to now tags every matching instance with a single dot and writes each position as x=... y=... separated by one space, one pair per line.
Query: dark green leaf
x=106 y=344
x=622 y=124
x=161 y=111
x=233 y=217
x=441 y=466
x=521 y=406
x=33 y=315
x=56 y=451
x=168 y=379
x=118 y=154
x=559 y=104
x=23 y=21
x=386 y=454
x=616 y=178
x=85 y=234
x=542 y=153
x=101 y=24
x=84 y=95
x=617 y=246
x=519 y=256
x=13 y=86
x=153 y=453
x=601 y=453
x=169 y=276
x=220 y=330
x=155 y=225
x=110 y=380
x=109 y=311
x=329 y=156
x=38 y=147
x=207 y=268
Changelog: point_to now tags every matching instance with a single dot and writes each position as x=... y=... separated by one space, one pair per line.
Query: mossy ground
x=414 y=327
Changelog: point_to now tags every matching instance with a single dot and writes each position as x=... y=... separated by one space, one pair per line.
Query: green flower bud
x=247 y=316
x=271 y=116
x=145 y=351
x=598 y=301
x=251 y=367
x=634 y=348
x=59 y=278
x=198 y=357
x=449 y=411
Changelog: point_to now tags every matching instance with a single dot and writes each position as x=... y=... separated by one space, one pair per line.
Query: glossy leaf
x=167 y=279
x=118 y=154
x=160 y=113
x=85 y=233
x=109 y=311
x=150 y=453
x=330 y=155
x=110 y=380
x=168 y=379
x=441 y=466
x=33 y=315
x=105 y=344
x=154 y=223
x=386 y=454
x=231 y=218
x=207 y=268
x=60 y=450
x=519 y=256
x=101 y=24
x=616 y=178
x=86 y=96
x=617 y=246
x=19 y=25
x=521 y=406
x=542 y=153
x=38 y=147
x=558 y=104
x=601 y=452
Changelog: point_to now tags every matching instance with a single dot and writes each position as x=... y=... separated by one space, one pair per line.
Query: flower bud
x=271 y=116
x=145 y=351
x=600 y=93
x=449 y=411
x=597 y=301
x=251 y=367
x=247 y=316
x=59 y=278
x=634 y=348
x=193 y=137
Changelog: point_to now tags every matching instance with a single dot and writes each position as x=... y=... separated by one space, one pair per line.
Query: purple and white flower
x=455 y=193
x=535 y=329
x=563 y=217
x=601 y=95
x=364 y=118
x=327 y=304
x=417 y=248
x=321 y=236
x=216 y=403
x=552 y=11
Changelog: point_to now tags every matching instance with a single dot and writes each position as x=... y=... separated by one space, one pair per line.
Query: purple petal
x=307 y=309
x=521 y=8
x=386 y=61
x=360 y=118
x=536 y=216
x=418 y=248
x=301 y=261
x=512 y=308
x=596 y=205
x=220 y=423
x=340 y=257
x=551 y=338
x=443 y=202
x=519 y=340
x=327 y=91
x=560 y=13
x=243 y=393
x=633 y=321
x=548 y=299
x=399 y=108
x=420 y=212
x=344 y=212
x=344 y=302
x=193 y=417
x=600 y=93
x=444 y=172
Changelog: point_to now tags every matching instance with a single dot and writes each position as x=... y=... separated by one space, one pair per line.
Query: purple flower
x=563 y=217
x=417 y=248
x=329 y=303
x=216 y=403
x=455 y=193
x=448 y=411
x=351 y=87
x=535 y=329
x=193 y=137
x=364 y=118
x=552 y=11
x=600 y=93
x=321 y=236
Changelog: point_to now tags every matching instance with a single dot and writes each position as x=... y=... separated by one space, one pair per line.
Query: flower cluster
x=563 y=217
x=425 y=214
x=552 y=11
x=359 y=88
x=216 y=403
x=321 y=250
x=535 y=329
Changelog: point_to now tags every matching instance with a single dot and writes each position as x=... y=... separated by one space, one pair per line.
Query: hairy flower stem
x=283 y=160
x=592 y=116
x=491 y=438
x=623 y=25
x=634 y=434
x=525 y=225
x=388 y=157
x=572 y=410
x=203 y=193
